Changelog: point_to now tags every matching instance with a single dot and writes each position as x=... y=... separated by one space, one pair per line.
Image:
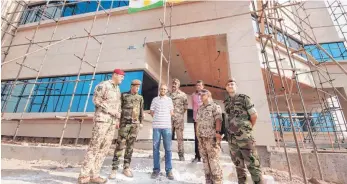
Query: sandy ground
x=49 y=172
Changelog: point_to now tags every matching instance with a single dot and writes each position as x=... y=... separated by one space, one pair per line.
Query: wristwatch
x=218 y=132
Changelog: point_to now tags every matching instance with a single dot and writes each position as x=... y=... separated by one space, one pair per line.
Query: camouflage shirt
x=206 y=119
x=132 y=108
x=107 y=100
x=180 y=102
x=239 y=110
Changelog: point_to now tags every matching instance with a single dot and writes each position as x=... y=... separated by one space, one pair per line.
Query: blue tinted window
x=336 y=50
x=34 y=13
x=55 y=96
x=279 y=36
x=319 y=122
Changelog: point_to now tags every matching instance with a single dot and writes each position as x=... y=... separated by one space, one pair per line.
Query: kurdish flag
x=174 y=1
x=140 y=5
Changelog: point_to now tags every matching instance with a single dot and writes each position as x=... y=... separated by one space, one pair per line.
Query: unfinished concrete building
x=289 y=57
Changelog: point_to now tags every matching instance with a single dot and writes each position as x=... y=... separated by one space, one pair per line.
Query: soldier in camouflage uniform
x=241 y=119
x=209 y=124
x=180 y=103
x=130 y=123
x=107 y=100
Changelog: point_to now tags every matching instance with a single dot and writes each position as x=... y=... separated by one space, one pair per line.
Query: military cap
x=135 y=82
x=204 y=91
x=118 y=71
x=232 y=79
x=175 y=80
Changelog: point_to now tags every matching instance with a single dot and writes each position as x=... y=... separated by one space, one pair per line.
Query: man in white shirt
x=161 y=111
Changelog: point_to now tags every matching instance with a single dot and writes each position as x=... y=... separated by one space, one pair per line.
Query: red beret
x=118 y=71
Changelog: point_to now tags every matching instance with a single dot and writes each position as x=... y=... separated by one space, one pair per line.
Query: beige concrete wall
x=153 y=66
x=343 y=103
x=53 y=128
x=285 y=64
x=318 y=17
x=336 y=74
x=10 y=13
x=115 y=53
x=189 y=20
x=245 y=67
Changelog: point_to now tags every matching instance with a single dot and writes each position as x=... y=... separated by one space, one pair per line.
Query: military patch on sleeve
x=99 y=88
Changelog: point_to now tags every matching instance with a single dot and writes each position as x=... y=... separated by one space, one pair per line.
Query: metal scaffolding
x=339 y=15
x=53 y=41
x=310 y=126
x=273 y=25
x=161 y=50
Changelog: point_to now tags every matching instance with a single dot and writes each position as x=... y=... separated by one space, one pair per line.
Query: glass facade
x=54 y=95
x=318 y=124
x=55 y=9
x=283 y=38
x=337 y=50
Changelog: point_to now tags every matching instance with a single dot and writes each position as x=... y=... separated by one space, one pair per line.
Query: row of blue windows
x=280 y=36
x=284 y=39
x=337 y=50
x=54 y=95
x=55 y=9
x=318 y=123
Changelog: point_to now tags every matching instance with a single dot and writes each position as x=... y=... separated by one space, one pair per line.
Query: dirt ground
x=49 y=172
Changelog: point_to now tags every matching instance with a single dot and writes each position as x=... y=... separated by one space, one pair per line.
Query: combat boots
x=113 y=174
x=195 y=160
x=98 y=180
x=127 y=172
x=83 y=179
x=260 y=182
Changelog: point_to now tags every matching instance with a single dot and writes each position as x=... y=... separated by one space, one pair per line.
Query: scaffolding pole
x=162 y=46
x=329 y=79
x=292 y=63
x=21 y=64
x=314 y=82
x=79 y=72
x=310 y=59
x=170 y=44
x=94 y=72
x=36 y=78
x=338 y=15
x=8 y=28
x=270 y=78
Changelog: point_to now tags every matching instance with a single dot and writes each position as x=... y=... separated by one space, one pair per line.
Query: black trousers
x=197 y=153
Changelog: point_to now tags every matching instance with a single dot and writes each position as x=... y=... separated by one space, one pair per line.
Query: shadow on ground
x=33 y=176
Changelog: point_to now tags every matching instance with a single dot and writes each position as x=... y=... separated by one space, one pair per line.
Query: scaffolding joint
x=330 y=80
x=162 y=54
x=82 y=60
x=89 y=34
x=22 y=64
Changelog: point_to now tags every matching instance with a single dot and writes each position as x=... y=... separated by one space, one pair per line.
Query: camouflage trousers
x=177 y=128
x=100 y=142
x=126 y=138
x=209 y=151
x=243 y=152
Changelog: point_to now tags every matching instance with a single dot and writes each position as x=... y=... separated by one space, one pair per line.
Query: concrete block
x=247 y=54
x=243 y=71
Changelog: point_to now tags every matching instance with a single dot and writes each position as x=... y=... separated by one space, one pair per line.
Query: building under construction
x=290 y=57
